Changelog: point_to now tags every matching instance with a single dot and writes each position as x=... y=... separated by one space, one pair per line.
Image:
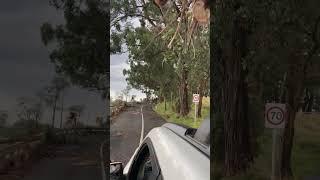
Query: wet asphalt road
x=126 y=129
x=71 y=162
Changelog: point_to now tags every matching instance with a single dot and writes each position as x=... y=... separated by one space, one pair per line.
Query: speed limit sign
x=195 y=98
x=275 y=115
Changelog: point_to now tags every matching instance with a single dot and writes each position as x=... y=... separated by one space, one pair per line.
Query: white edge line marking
x=142 y=127
x=103 y=170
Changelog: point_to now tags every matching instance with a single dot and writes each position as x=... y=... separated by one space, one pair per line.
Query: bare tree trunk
x=171 y=101
x=54 y=110
x=199 y=107
x=201 y=92
x=238 y=149
x=310 y=102
x=184 y=105
x=61 y=113
x=294 y=93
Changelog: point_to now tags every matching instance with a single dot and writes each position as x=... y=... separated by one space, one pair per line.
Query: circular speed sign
x=196 y=98
x=275 y=115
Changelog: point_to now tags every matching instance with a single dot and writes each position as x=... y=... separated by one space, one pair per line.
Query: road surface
x=72 y=162
x=126 y=130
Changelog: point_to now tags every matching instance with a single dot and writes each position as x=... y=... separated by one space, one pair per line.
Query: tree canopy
x=81 y=42
x=168 y=50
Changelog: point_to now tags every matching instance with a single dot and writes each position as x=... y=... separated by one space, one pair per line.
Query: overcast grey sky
x=24 y=61
x=118 y=63
x=117 y=80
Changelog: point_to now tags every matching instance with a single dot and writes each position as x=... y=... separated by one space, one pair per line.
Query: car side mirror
x=116 y=171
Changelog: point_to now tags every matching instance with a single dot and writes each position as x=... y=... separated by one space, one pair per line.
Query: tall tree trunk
x=171 y=101
x=310 y=102
x=165 y=103
x=238 y=149
x=183 y=92
x=37 y=122
x=200 y=90
x=200 y=105
x=305 y=100
x=61 y=113
x=54 y=110
x=296 y=77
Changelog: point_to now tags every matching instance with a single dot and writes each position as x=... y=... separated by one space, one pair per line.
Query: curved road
x=125 y=131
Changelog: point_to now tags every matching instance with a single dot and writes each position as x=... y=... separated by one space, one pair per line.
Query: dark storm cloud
x=24 y=61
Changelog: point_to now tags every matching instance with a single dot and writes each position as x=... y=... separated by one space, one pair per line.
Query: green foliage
x=148 y=70
x=281 y=38
x=170 y=115
x=305 y=156
x=80 y=44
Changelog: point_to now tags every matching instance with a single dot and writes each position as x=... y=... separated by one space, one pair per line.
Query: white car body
x=178 y=159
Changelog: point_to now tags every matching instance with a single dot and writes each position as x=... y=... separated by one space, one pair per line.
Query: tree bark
x=238 y=149
x=310 y=102
x=200 y=90
x=296 y=78
x=61 y=112
x=183 y=93
x=54 y=110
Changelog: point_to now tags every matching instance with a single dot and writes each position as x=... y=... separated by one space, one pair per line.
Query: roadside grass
x=171 y=116
x=305 y=152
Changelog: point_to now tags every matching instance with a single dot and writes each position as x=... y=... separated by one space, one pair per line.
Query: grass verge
x=305 y=152
x=171 y=116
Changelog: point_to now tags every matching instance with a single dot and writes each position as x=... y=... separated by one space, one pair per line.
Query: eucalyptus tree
x=172 y=27
x=264 y=50
x=51 y=94
x=81 y=43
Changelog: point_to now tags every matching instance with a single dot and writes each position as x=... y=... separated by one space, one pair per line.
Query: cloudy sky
x=117 y=80
x=118 y=63
x=24 y=61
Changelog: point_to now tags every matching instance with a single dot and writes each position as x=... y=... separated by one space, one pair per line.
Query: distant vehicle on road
x=169 y=152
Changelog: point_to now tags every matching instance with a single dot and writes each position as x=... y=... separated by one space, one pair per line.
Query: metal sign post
x=195 y=99
x=275 y=115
